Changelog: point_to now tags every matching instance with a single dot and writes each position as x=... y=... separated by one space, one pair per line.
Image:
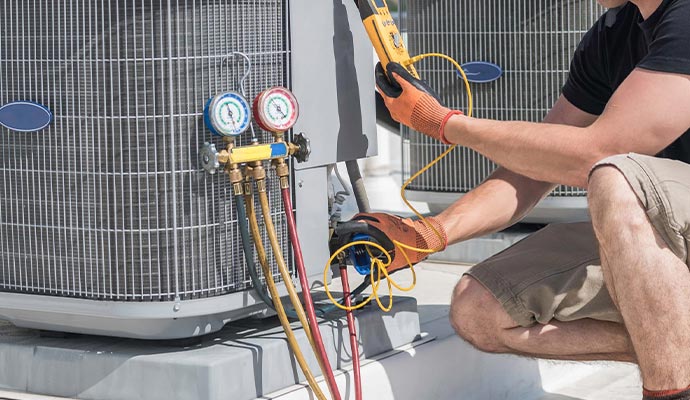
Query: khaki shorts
x=555 y=273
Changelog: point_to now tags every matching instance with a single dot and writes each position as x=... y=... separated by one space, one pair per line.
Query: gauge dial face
x=229 y=114
x=276 y=110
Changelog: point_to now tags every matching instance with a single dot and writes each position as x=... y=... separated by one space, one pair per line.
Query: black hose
x=353 y=295
x=358 y=188
x=248 y=253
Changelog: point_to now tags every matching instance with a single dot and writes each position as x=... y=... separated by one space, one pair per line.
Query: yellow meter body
x=384 y=34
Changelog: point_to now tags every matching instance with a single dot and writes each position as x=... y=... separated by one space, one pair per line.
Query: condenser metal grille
x=110 y=202
x=532 y=40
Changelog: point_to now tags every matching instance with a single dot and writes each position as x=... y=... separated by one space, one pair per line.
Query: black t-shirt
x=622 y=41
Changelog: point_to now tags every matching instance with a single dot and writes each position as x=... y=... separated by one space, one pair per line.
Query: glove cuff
x=441 y=229
x=442 y=129
x=428 y=239
x=428 y=116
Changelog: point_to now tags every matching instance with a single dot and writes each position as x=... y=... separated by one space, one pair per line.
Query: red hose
x=309 y=303
x=356 y=367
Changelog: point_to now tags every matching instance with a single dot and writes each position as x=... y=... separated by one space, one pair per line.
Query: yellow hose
x=285 y=273
x=282 y=316
x=287 y=278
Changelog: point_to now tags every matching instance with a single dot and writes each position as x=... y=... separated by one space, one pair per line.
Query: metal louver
x=532 y=40
x=109 y=203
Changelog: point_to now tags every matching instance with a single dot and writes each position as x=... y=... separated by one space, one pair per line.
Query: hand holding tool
x=384 y=228
x=412 y=102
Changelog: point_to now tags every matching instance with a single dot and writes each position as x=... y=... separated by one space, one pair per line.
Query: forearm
x=544 y=152
x=501 y=201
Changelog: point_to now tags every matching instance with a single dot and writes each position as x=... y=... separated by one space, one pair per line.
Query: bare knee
x=612 y=202
x=477 y=316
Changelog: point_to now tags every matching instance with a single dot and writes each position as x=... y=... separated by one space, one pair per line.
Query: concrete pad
x=245 y=360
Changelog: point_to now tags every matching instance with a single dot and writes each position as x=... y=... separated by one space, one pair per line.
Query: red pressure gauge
x=276 y=110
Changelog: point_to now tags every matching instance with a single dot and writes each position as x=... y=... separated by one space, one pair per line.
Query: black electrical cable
x=353 y=295
x=248 y=253
x=358 y=188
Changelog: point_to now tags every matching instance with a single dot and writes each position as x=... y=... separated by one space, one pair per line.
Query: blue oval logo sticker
x=482 y=71
x=25 y=116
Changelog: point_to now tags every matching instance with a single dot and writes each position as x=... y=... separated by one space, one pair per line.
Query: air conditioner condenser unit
x=108 y=223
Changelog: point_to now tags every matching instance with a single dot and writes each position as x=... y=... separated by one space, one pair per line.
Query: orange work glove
x=412 y=102
x=384 y=228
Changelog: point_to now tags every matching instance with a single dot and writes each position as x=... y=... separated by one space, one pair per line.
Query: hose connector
x=261 y=186
x=258 y=171
x=238 y=188
x=411 y=61
x=248 y=190
x=236 y=178
x=283 y=172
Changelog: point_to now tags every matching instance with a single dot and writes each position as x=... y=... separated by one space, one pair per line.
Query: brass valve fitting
x=258 y=171
x=236 y=178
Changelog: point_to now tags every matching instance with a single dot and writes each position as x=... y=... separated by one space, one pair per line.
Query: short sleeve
x=669 y=50
x=588 y=86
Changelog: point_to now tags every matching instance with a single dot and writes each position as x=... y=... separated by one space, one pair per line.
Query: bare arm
x=647 y=113
x=505 y=197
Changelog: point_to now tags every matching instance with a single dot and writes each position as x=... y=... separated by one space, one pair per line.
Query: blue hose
x=248 y=253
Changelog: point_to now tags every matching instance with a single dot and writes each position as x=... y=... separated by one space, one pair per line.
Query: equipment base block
x=245 y=360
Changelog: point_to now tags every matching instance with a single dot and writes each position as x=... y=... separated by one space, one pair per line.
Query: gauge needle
x=280 y=110
x=232 y=118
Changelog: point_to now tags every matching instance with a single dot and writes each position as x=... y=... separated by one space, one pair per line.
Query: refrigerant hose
x=247 y=248
x=317 y=347
x=282 y=316
x=254 y=276
x=354 y=345
x=304 y=282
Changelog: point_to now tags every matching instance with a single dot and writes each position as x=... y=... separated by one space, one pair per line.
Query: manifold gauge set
x=229 y=114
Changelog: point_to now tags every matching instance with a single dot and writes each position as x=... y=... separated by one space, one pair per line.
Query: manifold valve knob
x=304 y=145
x=208 y=156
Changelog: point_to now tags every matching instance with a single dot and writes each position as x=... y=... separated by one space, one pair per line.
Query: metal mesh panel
x=532 y=40
x=110 y=202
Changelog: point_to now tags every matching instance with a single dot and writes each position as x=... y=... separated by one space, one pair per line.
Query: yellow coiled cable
x=377 y=264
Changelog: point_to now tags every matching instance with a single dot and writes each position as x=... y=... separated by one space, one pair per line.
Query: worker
x=616 y=288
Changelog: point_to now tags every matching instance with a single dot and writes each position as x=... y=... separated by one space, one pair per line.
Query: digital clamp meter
x=384 y=34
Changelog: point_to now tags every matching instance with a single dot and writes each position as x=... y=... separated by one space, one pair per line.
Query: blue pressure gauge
x=228 y=114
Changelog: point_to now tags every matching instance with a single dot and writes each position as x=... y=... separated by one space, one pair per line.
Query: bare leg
x=649 y=284
x=478 y=317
